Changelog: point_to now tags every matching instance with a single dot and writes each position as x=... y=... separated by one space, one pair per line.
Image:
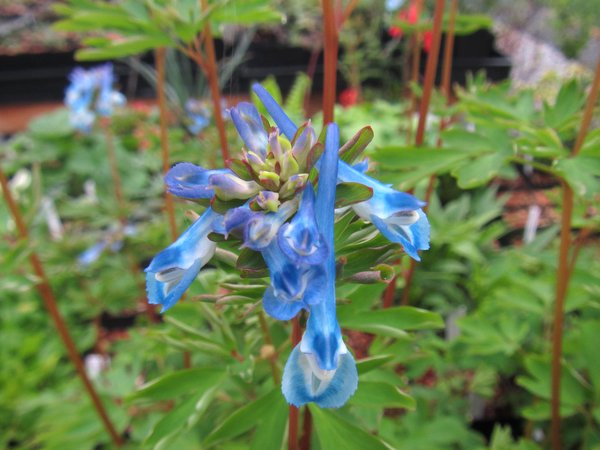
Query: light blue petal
x=413 y=237
x=261 y=228
x=300 y=385
x=280 y=308
x=187 y=180
x=250 y=127
x=283 y=122
x=167 y=294
x=300 y=239
x=172 y=270
x=92 y=253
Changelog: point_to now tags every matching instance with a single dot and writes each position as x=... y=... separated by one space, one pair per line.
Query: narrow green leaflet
x=347 y=194
x=334 y=432
x=178 y=383
x=246 y=417
x=352 y=149
x=392 y=322
x=381 y=395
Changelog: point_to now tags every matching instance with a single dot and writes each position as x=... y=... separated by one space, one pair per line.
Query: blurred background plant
x=462 y=359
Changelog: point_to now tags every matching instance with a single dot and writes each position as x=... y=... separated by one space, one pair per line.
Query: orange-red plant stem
x=306 y=430
x=159 y=57
x=330 y=54
x=430 y=71
x=45 y=291
x=294 y=413
x=564 y=271
x=415 y=50
x=213 y=81
x=114 y=169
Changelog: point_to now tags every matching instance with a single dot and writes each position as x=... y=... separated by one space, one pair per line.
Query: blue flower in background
x=198 y=115
x=320 y=369
x=91 y=92
x=173 y=270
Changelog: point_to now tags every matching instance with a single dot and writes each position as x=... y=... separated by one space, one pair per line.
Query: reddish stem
x=114 y=169
x=164 y=139
x=45 y=291
x=564 y=270
x=294 y=412
x=306 y=430
x=213 y=81
x=430 y=70
x=415 y=48
x=330 y=53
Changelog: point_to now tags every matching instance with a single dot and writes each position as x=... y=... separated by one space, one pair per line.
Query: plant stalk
x=294 y=414
x=415 y=50
x=45 y=290
x=430 y=71
x=330 y=54
x=213 y=81
x=114 y=170
x=564 y=270
x=159 y=57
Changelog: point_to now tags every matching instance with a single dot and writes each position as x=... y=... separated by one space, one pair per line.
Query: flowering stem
x=213 y=81
x=164 y=138
x=330 y=54
x=294 y=412
x=114 y=170
x=45 y=291
x=564 y=270
x=306 y=430
x=415 y=50
x=430 y=70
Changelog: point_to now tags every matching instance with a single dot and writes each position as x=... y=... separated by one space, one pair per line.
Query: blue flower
x=250 y=127
x=320 y=369
x=188 y=180
x=397 y=215
x=198 y=115
x=300 y=240
x=289 y=290
x=261 y=228
x=173 y=270
x=91 y=93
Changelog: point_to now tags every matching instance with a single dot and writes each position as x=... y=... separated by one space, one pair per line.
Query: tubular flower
x=320 y=369
x=186 y=180
x=172 y=270
x=397 y=215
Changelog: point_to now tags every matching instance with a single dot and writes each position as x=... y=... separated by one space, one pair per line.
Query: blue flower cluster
x=279 y=214
x=90 y=93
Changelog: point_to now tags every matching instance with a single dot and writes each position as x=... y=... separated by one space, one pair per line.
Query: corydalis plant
x=267 y=200
x=91 y=93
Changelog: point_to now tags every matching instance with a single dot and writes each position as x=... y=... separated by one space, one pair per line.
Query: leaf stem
x=45 y=290
x=564 y=270
x=294 y=414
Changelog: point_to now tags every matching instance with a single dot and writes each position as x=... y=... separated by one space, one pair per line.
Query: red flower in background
x=410 y=15
x=348 y=97
x=427 y=40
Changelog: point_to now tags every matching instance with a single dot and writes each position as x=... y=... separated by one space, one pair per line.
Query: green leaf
x=251 y=263
x=572 y=392
x=479 y=171
x=271 y=431
x=334 y=432
x=391 y=321
x=381 y=395
x=179 y=417
x=125 y=47
x=373 y=362
x=51 y=126
x=581 y=172
x=347 y=194
x=569 y=101
x=246 y=417
x=179 y=383
x=352 y=149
